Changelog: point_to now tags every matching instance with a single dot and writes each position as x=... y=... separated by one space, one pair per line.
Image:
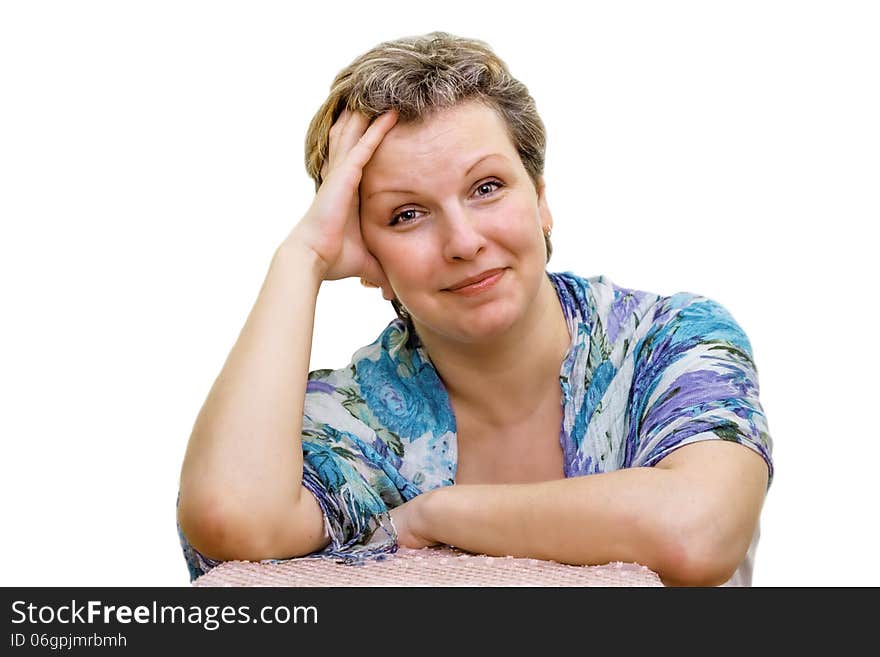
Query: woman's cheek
x=516 y=237
x=408 y=263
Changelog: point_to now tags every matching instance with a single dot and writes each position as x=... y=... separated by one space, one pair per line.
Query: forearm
x=244 y=446
x=629 y=515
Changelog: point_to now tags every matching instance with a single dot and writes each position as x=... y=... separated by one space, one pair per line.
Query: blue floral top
x=645 y=374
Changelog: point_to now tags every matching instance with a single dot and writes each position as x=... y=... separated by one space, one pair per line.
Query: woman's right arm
x=241 y=492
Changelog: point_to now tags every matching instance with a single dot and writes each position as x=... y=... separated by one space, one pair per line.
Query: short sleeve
x=349 y=468
x=694 y=379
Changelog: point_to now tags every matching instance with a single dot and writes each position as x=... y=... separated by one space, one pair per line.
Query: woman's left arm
x=690 y=518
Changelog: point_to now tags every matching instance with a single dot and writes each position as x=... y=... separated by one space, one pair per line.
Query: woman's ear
x=374 y=276
x=387 y=292
x=543 y=208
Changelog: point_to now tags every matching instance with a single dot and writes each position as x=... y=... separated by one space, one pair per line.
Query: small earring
x=547 y=234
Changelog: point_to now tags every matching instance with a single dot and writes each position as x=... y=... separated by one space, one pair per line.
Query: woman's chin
x=480 y=326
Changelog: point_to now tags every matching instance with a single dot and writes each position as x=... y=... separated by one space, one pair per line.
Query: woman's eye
x=404 y=216
x=486 y=188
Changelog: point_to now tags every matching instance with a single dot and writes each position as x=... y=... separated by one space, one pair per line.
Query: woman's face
x=446 y=200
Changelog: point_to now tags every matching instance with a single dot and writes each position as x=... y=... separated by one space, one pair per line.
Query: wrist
x=299 y=255
x=429 y=511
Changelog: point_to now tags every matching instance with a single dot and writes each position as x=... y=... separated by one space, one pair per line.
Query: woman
x=474 y=417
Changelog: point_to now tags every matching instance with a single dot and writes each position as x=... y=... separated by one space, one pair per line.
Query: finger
x=352 y=131
x=348 y=169
x=363 y=150
x=336 y=131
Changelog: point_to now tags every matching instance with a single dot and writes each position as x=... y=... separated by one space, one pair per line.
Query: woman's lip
x=479 y=286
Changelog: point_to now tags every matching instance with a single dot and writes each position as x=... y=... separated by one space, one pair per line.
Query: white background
x=151 y=161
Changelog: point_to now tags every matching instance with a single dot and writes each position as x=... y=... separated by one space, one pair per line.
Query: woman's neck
x=502 y=382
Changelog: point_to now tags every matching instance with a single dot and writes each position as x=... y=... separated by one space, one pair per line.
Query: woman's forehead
x=454 y=138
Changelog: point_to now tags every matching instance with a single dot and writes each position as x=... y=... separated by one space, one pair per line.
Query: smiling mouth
x=479 y=285
x=486 y=274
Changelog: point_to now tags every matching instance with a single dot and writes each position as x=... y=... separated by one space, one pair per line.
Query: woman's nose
x=463 y=239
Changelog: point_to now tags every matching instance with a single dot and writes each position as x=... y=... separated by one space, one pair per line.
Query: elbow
x=696 y=557
x=231 y=532
x=218 y=531
x=686 y=566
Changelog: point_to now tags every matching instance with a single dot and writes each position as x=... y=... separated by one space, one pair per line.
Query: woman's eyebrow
x=466 y=173
x=484 y=157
